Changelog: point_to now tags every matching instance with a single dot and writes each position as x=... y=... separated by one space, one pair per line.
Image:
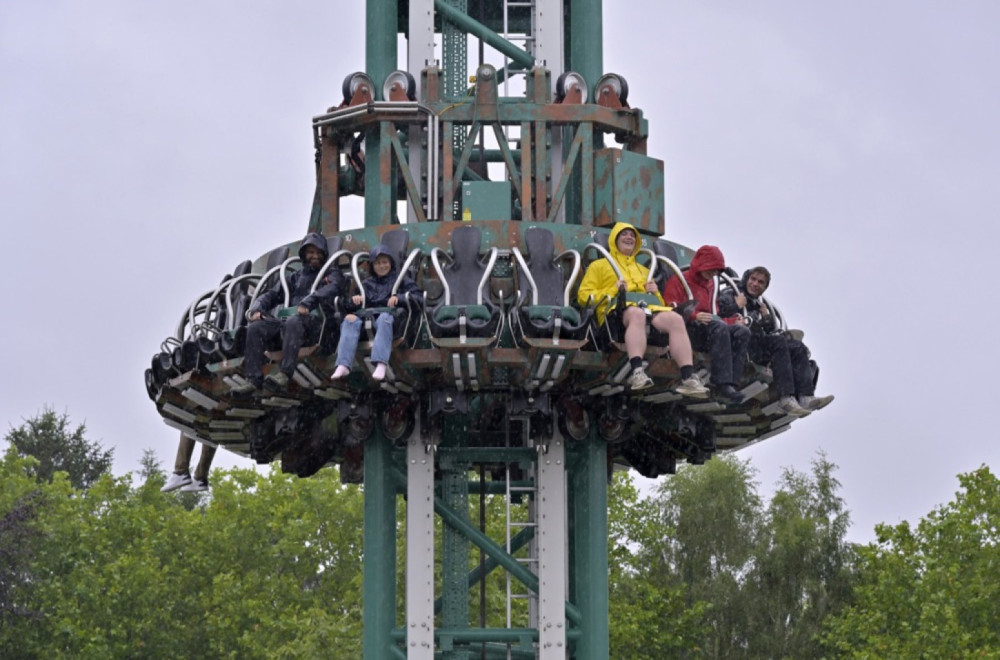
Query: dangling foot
x=340 y=372
x=379 y=373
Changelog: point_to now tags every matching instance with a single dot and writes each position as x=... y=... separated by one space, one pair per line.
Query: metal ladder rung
x=523 y=524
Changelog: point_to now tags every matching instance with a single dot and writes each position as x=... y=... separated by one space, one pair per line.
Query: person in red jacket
x=726 y=340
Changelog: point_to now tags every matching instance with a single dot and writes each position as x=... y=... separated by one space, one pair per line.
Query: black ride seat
x=465 y=310
x=543 y=307
x=465 y=323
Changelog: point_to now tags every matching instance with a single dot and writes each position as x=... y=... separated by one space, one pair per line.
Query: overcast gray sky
x=852 y=147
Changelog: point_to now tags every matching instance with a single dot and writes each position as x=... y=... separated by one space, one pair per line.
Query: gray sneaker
x=692 y=387
x=276 y=382
x=815 y=402
x=791 y=407
x=638 y=380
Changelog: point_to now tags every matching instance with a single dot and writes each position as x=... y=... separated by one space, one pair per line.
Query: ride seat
x=465 y=310
x=543 y=308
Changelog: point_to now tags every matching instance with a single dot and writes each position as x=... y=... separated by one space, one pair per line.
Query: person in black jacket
x=789 y=358
x=378 y=288
x=266 y=332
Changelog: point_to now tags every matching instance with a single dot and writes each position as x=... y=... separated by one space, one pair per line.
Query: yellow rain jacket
x=600 y=279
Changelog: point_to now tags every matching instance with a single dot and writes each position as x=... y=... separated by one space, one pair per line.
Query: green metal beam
x=589 y=529
x=379 y=600
x=380 y=60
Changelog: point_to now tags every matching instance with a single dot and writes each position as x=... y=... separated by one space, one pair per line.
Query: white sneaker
x=175 y=481
x=692 y=387
x=196 y=486
x=815 y=402
x=791 y=407
x=638 y=380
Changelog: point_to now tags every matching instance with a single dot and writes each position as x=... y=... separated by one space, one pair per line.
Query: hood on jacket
x=613 y=240
x=708 y=257
x=382 y=251
x=316 y=241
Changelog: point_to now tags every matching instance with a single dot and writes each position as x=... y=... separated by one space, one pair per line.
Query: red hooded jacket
x=708 y=257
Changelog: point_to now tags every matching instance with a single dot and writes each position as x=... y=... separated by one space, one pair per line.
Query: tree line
x=94 y=565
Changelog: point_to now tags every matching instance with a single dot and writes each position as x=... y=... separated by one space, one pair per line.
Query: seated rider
x=601 y=283
x=266 y=332
x=725 y=339
x=378 y=293
x=788 y=358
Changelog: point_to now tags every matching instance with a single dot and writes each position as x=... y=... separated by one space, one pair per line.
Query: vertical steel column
x=586 y=41
x=455 y=553
x=379 y=612
x=380 y=60
x=419 y=54
x=455 y=52
x=548 y=49
x=419 y=547
x=586 y=57
x=590 y=545
x=552 y=549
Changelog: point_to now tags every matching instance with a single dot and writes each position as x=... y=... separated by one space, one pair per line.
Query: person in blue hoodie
x=266 y=332
x=380 y=290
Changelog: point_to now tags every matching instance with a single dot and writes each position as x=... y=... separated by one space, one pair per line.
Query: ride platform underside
x=494 y=195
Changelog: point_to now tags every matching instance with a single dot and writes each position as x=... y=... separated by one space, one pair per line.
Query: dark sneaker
x=277 y=382
x=728 y=393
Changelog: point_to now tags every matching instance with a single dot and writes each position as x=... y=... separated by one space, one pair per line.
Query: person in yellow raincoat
x=601 y=284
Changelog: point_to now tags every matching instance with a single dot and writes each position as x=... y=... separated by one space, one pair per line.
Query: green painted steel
x=380 y=60
x=380 y=548
x=589 y=538
x=454 y=551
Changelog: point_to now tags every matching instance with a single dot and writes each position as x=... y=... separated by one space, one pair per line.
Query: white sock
x=379 y=371
x=340 y=372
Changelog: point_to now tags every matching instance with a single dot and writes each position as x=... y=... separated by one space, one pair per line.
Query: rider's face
x=382 y=265
x=313 y=256
x=756 y=284
x=626 y=242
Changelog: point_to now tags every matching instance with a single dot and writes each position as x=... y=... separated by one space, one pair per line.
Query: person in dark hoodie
x=378 y=292
x=266 y=332
x=726 y=339
x=788 y=358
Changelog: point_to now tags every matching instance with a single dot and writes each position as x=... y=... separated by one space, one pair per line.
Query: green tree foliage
x=803 y=568
x=648 y=620
x=49 y=438
x=931 y=591
x=761 y=578
x=270 y=569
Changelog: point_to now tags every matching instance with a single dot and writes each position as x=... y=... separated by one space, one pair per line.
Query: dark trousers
x=268 y=334
x=726 y=345
x=789 y=361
